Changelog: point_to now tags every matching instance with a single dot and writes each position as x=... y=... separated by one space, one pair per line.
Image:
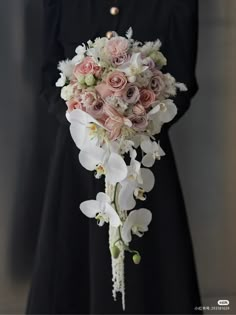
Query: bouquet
x=118 y=99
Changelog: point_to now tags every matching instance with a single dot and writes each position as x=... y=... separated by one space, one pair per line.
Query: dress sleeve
x=181 y=51
x=52 y=53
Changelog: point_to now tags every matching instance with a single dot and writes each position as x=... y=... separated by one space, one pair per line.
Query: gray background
x=203 y=141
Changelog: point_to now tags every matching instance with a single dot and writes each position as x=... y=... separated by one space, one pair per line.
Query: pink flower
x=117 y=46
x=117 y=61
x=114 y=122
x=103 y=90
x=89 y=99
x=149 y=62
x=139 y=110
x=147 y=97
x=131 y=94
x=157 y=83
x=116 y=81
x=87 y=66
x=139 y=122
x=73 y=104
x=96 y=110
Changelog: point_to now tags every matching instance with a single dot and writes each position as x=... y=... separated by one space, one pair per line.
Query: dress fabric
x=72 y=266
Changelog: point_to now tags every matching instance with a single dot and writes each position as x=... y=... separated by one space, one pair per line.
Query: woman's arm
x=181 y=51
x=52 y=54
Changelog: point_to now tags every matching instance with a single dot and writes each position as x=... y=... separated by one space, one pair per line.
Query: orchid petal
x=126 y=195
x=169 y=113
x=148 y=179
x=90 y=208
x=102 y=197
x=116 y=169
x=147 y=146
x=91 y=156
x=148 y=160
x=114 y=218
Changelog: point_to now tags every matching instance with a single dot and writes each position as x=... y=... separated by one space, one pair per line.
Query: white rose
x=67 y=92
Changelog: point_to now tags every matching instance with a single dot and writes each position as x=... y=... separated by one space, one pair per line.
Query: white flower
x=137 y=222
x=84 y=128
x=133 y=67
x=103 y=162
x=153 y=151
x=137 y=179
x=129 y=33
x=61 y=81
x=67 y=92
x=162 y=113
x=66 y=67
x=101 y=209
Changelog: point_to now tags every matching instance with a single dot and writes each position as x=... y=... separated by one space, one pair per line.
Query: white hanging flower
x=136 y=223
x=84 y=128
x=138 y=179
x=61 y=81
x=103 y=162
x=153 y=151
x=162 y=113
x=101 y=209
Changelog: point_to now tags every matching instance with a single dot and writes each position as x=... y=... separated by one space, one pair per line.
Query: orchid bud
x=115 y=251
x=136 y=258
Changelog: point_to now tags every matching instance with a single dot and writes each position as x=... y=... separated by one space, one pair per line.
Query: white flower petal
x=79 y=133
x=114 y=219
x=90 y=208
x=126 y=231
x=116 y=169
x=148 y=179
x=141 y=217
x=126 y=195
x=91 y=156
x=148 y=160
x=147 y=146
x=61 y=81
x=169 y=113
x=102 y=197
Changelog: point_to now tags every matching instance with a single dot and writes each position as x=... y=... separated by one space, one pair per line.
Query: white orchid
x=103 y=162
x=163 y=112
x=84 y=128
x=136 y=223
x=153 y=152
x=101 y=209
x=133 y=67
x=138 y=180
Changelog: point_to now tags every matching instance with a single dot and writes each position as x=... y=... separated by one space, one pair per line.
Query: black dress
x=72 y=271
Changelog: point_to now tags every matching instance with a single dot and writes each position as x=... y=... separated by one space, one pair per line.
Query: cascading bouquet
x=117 y=101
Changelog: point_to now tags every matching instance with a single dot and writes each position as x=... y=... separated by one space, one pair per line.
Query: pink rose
x=87 y=66
x=96 y=110
x=147 y=97
x=131 y=94
x=117 y=46
x=157 y=83
x=103 y=90
x=149 y=62
x=73 y=104
x=118 y=61
x=139 y=123
x=114 y=122
x=89 y=99
x=116 y=81
x=139 y=110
